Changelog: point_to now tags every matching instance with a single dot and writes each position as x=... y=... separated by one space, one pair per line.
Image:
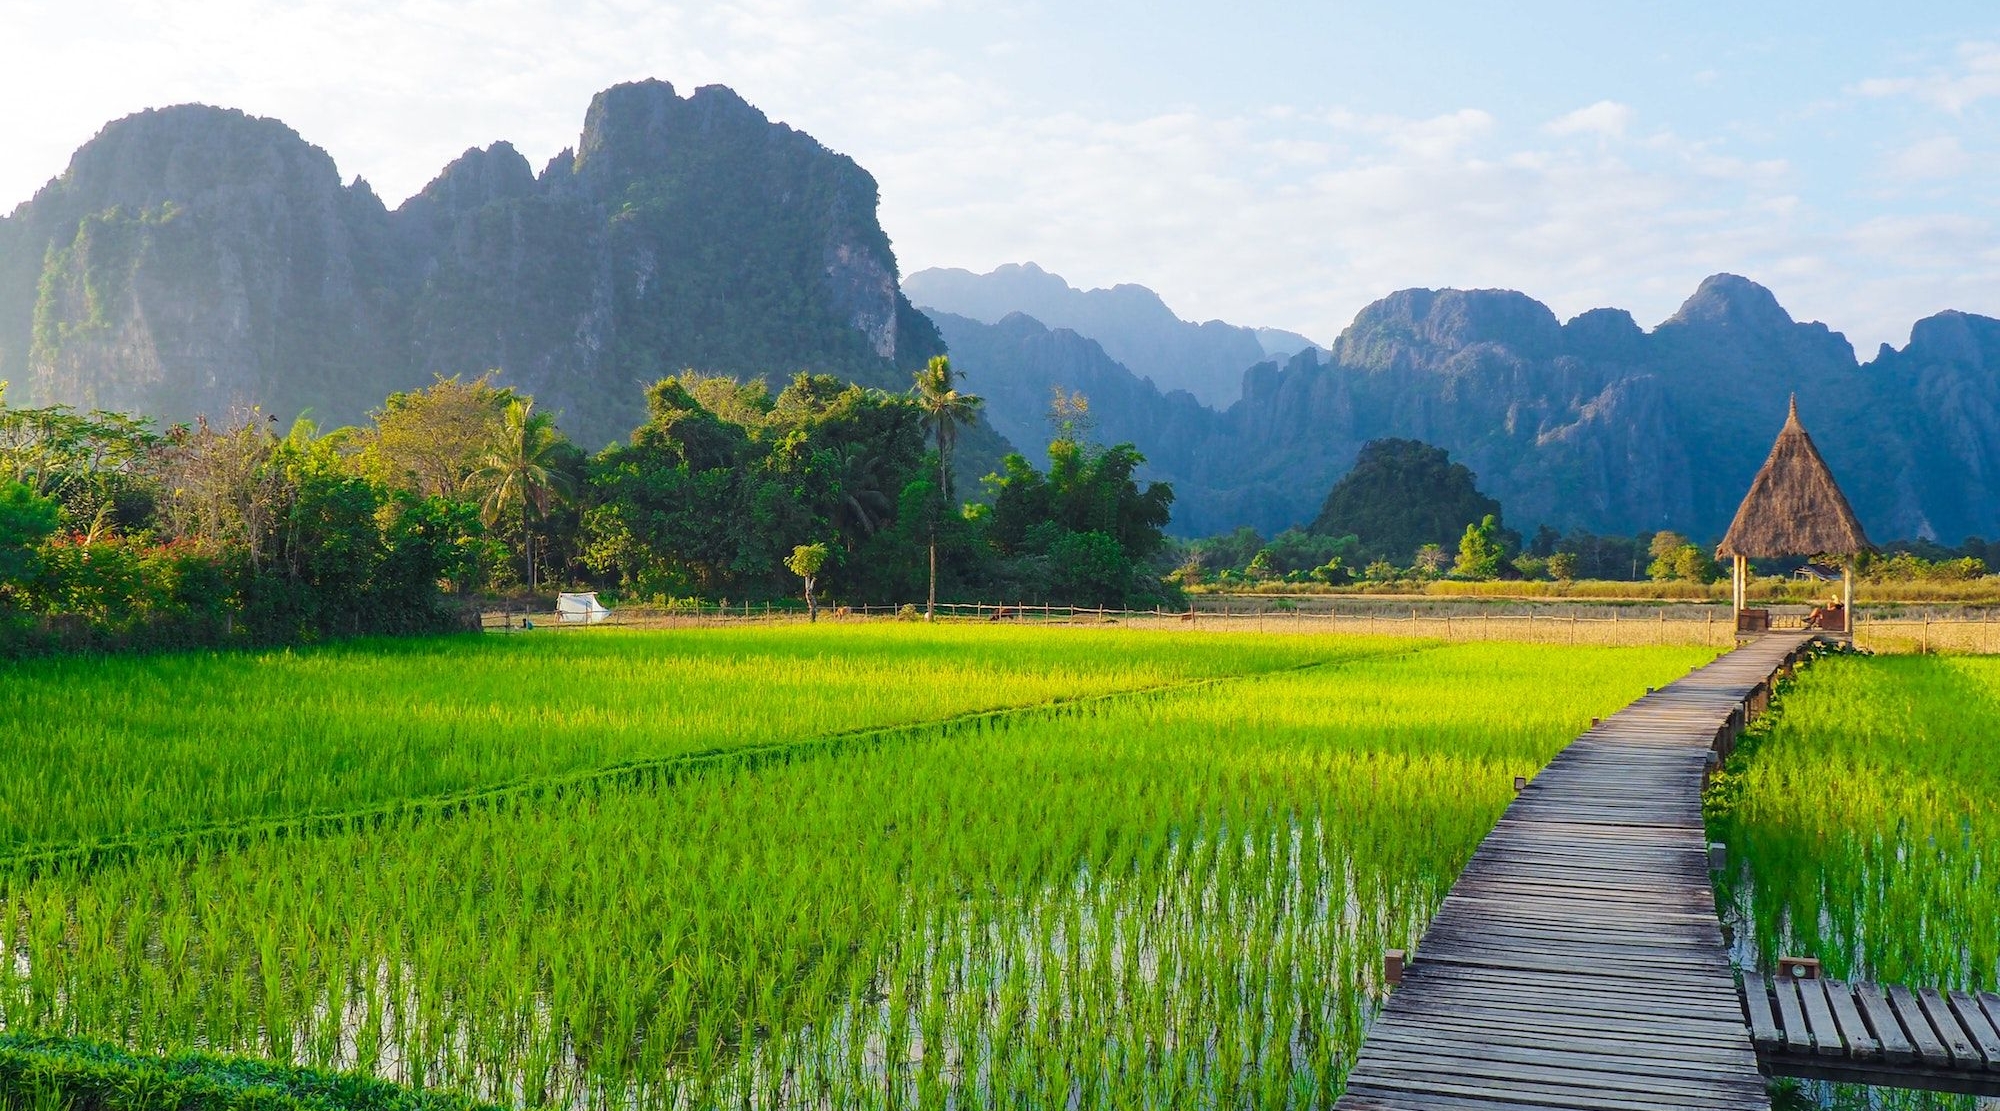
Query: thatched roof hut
x=1794 y=508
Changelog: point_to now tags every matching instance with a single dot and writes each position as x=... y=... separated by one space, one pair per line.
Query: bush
x=88 y=1076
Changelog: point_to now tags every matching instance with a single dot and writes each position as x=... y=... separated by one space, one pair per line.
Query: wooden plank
x=1757 y=1004
x=1791 y=1015
x=1827 y=1041
x=1896 y=1047
x=1929 y=1049
x=1956 y=1042
x=1861 y=1044
x=1979 y=1027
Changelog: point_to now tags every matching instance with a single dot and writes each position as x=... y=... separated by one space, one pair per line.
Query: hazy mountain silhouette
x=1130 y=322
x=195 y=258
x=1593 y=423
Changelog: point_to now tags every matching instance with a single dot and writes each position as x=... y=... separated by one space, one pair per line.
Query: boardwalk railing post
x=1392 y=967
x=1798 y=968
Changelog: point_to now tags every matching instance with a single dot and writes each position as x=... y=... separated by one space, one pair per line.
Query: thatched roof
x=1794 y=508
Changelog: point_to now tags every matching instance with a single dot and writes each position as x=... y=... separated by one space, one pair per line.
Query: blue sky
x=1265 y=163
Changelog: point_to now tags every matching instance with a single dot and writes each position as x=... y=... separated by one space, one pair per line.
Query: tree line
x=1406 y=514
x=114 y=533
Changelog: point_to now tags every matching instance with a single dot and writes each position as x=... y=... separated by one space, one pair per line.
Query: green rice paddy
x=1163 y=876
x=105 y=750
x=1866 y=826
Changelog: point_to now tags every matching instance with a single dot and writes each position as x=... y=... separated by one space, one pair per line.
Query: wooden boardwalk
x=1578 y=962
x=1947 y=1041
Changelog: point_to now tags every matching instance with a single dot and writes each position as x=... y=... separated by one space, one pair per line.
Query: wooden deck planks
x=1578 y=962
x=1874 y=1034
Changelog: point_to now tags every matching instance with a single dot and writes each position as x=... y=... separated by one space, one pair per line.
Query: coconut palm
x=863 y=502
x=518 y=471
x=945 y=410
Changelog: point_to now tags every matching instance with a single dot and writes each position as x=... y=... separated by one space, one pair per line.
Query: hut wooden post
x=1847 y=597
x=1739 y=586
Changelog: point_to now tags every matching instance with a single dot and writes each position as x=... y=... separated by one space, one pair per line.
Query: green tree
x=1401 y=495
x=431 y=441
x=1259 y=568
x=946 y=410
x=805 y=562
x=1562 y=566
x=1333 y=572
x=1086 y=490
x=26 y=519
x=1480 y=551
x=1695 y=565
x=1664 y=548
x=92 y=463
x=1675 y=557
x=519 y=472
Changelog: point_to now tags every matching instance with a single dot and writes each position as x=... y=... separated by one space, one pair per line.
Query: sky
x=1264 y=163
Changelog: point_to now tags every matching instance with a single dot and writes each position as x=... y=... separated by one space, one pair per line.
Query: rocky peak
x=623 y=124
x=1609 y=334
x=187 y=152
x=643 y=128
x=1729 y=301
x=478 y=178
x=1955 y=337
x=1420 y=327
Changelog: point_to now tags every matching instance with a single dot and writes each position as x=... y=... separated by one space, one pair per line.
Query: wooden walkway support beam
x=1578 y=962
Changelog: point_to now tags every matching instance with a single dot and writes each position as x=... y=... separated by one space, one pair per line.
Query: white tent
x=580 y=609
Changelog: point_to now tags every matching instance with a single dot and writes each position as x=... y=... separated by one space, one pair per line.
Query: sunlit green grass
x=1173 y=900
x=102 y=749
x=1866 y=826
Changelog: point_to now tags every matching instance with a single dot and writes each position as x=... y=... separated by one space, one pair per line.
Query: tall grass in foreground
x=1867 y=824
x=1171 y=901
x=114 y=748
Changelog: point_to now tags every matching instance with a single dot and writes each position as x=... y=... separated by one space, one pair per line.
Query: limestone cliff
x=192 y=259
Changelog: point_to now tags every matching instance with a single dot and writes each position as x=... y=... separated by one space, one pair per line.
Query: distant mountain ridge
x=1593 y=423
x=195 y=258
x=191 y=259
x=1131 y=322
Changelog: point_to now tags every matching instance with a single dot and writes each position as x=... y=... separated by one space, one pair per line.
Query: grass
x=1166 y=900
x=68 y=1074
x=1866 y=822
x=108 y=749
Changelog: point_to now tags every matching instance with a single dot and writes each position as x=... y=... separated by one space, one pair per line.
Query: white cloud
x=1974 y=77
x=1929 y=160
x=1607 y=118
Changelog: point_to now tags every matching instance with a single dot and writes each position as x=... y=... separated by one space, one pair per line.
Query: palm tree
x=863 y=503
x=519 y=471
x=945 y=410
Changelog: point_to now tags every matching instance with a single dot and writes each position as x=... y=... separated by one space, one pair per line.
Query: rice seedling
x=104 y=749
x=1162 y=901
x=1866 y=825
